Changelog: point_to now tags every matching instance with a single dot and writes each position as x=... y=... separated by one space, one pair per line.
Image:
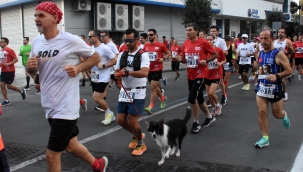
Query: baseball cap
x=244 y=36
x=227 y=38
x=258 y=38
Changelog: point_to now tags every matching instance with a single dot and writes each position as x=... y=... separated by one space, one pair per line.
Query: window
x=226 y=27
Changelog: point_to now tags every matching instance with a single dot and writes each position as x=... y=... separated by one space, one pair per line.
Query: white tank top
x=260 y=47
x=280 y=45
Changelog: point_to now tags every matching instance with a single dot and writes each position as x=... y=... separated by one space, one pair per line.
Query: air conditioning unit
x=104 y=16
x=121 y=13
x=82 y=5
x=138 y=18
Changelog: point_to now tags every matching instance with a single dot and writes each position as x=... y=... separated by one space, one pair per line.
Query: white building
x=80 y=16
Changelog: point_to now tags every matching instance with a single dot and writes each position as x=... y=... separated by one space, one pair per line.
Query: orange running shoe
x=134 y=142
x=139 y=150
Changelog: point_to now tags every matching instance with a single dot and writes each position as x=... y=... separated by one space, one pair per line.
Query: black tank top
x=229 y=56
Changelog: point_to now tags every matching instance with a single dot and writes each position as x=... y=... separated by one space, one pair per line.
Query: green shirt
x=24 y=49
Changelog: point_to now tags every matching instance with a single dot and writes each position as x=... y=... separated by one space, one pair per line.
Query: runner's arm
x=281 y=59
x=89 y=62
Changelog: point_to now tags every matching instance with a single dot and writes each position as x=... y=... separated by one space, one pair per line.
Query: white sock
x=107 y=110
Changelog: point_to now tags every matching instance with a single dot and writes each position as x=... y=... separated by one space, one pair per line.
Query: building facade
x=80 y=16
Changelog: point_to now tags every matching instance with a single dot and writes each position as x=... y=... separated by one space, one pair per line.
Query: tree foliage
x=275 y=16
x=198 y=12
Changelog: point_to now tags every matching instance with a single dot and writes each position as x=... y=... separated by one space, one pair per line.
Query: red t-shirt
x=193 y=53
x=299 y=46
x=175 y=50
x=123 y=47
x=214 y=71
x=7 y=55
x=165 y=43
x=237 y=42
x=155 y=52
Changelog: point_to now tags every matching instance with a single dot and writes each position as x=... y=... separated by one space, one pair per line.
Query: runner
x=270 y=88
x=176 y=52
x=101 y=74
x=284 y=45
x=156 y=52
x=195 y=55
x=202 y=34
x=244 y=53
x=143 y=40
x=134 y=82
x=7 y=60
x=25 y=49
x=59 y=63
x=215 y=74
x=298 y=46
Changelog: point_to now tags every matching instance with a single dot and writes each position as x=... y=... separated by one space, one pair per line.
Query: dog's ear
x=149 y=125
x=161 y=121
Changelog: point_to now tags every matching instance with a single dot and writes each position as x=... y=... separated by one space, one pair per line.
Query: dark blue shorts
x=128 y=108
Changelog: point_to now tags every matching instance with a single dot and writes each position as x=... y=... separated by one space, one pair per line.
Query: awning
x=15 y=2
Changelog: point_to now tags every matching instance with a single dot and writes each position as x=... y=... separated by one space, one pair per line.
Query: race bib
x=95 y=76
x=245 y=60
x=266 y=91
x=212 y=64
x=152 y=56
x=226 y=66
x=2 y=55
x=123 y=97
x=174 y=54
x=192 y=61
x=299 y=49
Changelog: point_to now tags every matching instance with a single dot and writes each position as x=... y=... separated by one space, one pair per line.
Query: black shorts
x=37 y=81
x=290 y=59
x=253 y=59
x=299 y=61
x=154 y=76
x=244 y=68
x=175 y=65
x=7 y=77
x=99 y=86
x=213 y=81
x=277 y=97
x=61 y=132
x=112 y=76
x=195 y=88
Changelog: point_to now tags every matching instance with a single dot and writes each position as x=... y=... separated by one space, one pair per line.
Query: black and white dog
x=168 y=134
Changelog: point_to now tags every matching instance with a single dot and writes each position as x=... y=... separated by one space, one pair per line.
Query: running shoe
x=223 y=100
x=176 y=78
x=243 y=88
x=103 y=164
x=37 y=92
x=5 y=103
x=109 y=117
x=286 y=121
x=82 y=85
x=195 y=128
x=208 y=121
x=179 y=74
x=133 y=144
x=84 y=105
x=247 y=87
x=208 y=103
x=148 y=110
x=98 y=108
x=23 y=93
x=285 y=96
x=139 y=150
x=299 y=78
x=218 y=109
x=163 y=103
x=213 y=112
x=27 y=88
x=262 y=143
x=110 y=86
x=164 y=79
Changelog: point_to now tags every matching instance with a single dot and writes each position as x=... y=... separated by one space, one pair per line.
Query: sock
x=96 y=165
x=140 y=142
x=285 y=115
x=209 y=116
x=151 y=105
x=6 y=100
x=27 y=81
x=107 y=110
x=197 y=121
x=81 y=101
x=217 y=104
x=266 y=137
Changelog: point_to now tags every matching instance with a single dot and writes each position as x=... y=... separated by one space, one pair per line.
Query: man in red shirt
x=155 y=52
x=298 y=46
x=7 y=60
x=195 y=55
x=165 y=42
x=176 y=53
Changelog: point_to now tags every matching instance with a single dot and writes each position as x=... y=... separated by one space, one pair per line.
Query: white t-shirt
x=130 y=81
x=142 y=46
x=59 y=92
x=113 y=47
x=220 y=43
x=244 y=48
x=102 y=75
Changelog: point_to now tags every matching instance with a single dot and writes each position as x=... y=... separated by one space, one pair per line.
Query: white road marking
x=96 y=136
x=298 y=164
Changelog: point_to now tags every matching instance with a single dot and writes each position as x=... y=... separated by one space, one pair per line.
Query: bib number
x=226 y=66
x=212 y=64
x=95 y=76
x=152 y=56
x=266 y=91
x=245 y=60
x=192 y=61
x=123 y=97
x=174 y=54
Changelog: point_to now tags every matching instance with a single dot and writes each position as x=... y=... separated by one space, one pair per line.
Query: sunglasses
x=102 y=36
x=150 y=34
x=129 y=40
x=89 y=36
x=244 y=38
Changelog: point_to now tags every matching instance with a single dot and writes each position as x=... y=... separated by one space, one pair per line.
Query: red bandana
x=51 y=8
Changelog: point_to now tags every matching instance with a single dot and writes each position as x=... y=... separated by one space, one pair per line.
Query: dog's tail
x=188 y=115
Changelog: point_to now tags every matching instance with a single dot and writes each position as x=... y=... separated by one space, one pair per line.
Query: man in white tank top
x=285 y=45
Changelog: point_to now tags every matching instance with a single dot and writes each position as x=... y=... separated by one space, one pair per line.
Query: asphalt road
x=227 y=145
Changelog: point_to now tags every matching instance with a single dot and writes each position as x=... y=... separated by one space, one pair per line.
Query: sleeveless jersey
x=280 y=45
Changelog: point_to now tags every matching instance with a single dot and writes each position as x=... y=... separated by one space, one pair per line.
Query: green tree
x=198 y=12
x=275 y=16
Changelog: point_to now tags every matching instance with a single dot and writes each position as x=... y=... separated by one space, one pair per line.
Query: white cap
x=244 y=36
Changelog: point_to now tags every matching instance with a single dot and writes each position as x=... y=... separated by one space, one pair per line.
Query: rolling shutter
x=179 y=31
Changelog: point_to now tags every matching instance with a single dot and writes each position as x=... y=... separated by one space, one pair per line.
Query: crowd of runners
x=267 y=63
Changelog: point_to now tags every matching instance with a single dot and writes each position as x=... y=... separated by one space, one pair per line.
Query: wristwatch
x=103 y=66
